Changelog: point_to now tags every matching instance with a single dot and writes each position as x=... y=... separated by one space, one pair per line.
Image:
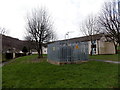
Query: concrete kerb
x=116 y=62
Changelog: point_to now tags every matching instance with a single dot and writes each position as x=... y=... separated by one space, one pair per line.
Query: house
x=101 y=44
x=34 y=51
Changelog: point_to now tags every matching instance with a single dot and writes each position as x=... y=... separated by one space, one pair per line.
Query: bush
x=24 y=49
x=9 y=55
x=18 y=55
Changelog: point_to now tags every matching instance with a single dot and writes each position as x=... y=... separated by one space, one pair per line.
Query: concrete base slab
x=62 y=63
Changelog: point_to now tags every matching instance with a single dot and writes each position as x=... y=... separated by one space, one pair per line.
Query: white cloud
x=66 y=14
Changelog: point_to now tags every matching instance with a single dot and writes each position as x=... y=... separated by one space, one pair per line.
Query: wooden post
x=13 y=53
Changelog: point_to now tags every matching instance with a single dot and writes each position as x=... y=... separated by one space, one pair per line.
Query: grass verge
x=113 y=57
x=27 y=74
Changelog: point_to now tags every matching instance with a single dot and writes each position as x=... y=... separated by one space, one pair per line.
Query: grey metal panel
x=68 y=51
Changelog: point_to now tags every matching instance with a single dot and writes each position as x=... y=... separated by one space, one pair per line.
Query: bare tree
x=90 y=27
x=39 y=28
x=30 y=43
x=109 y=20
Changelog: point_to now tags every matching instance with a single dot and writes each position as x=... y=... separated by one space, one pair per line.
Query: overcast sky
x=66 y=14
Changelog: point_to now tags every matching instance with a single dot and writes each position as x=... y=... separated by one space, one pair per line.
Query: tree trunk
x=91 y=45
x=38 y=53
x=41 y=54
x=115 y=45
x=98 y=46
x=115 y=49
x=91 y=51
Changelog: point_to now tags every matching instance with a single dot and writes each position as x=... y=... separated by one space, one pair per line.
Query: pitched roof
x=81 y=39
x=86 y=38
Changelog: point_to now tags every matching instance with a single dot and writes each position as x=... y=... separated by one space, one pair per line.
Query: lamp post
x=119 y=9
x=67 y=34
x=67 y=42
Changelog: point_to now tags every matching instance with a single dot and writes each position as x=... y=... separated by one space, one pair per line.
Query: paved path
x=3 y=63
x=117 y=62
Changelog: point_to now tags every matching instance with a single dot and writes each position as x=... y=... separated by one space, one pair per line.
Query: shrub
x=18 y=55
x=9 y=55
x=24 y=49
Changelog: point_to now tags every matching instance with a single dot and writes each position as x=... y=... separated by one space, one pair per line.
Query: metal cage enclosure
x=67 y=52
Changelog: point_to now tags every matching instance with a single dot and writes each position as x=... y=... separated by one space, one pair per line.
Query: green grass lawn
x=26 y=73
x=113 y=57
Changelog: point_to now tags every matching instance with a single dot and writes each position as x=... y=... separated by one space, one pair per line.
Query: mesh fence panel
x=65 y=51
